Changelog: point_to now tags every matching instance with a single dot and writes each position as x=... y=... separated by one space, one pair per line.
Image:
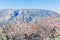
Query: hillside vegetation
x=26 y=24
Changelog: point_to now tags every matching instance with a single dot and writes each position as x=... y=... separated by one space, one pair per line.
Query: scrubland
x=46 y=29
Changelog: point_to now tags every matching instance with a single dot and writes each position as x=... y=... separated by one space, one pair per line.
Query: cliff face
x=29 y=24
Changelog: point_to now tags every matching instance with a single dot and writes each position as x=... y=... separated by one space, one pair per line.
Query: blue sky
x=53 y=5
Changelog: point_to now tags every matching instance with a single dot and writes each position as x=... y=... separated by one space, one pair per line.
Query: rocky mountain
x=29 y=24
x=25 y=15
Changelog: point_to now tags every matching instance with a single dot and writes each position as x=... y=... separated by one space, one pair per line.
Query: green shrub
x=2 y=37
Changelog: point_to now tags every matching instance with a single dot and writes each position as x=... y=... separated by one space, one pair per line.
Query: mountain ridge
x=26 y=15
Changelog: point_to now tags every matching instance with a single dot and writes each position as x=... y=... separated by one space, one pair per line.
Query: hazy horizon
x=31 y=4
